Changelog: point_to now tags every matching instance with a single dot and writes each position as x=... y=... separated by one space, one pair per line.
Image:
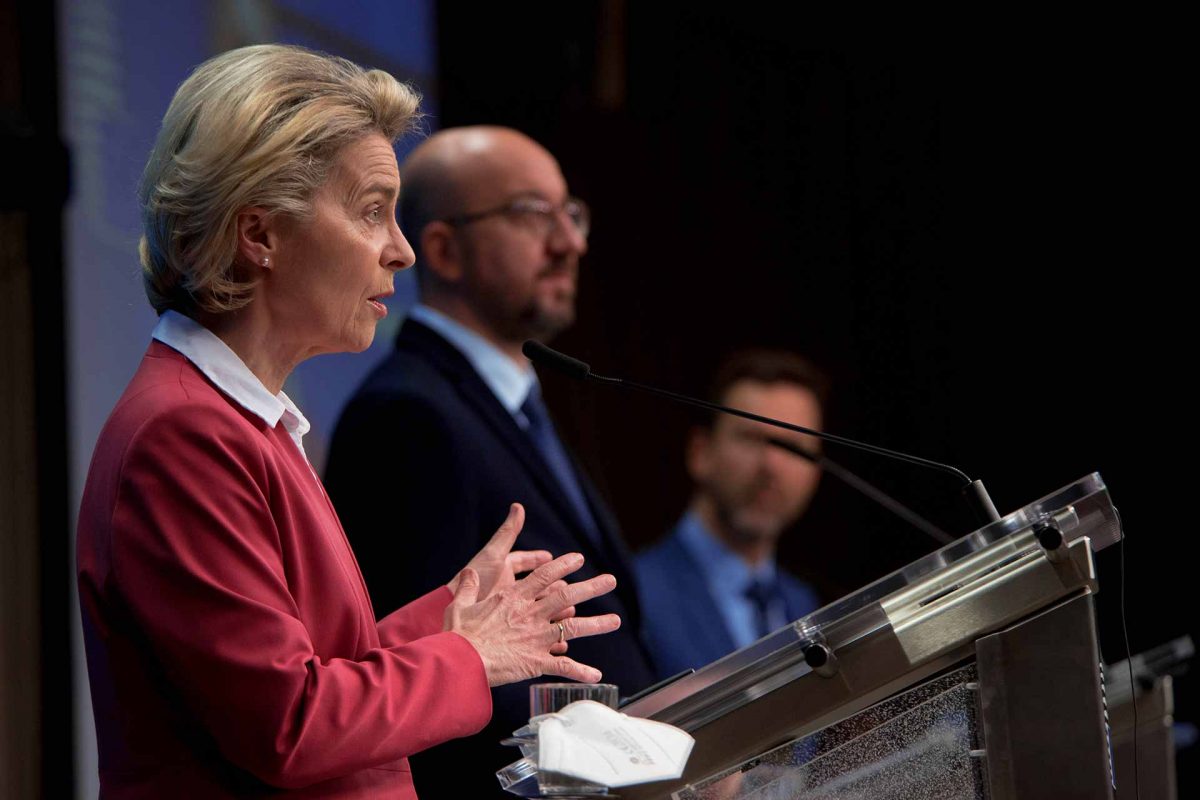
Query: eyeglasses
x=538 y=215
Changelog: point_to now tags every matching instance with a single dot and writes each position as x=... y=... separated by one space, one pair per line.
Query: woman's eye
x=375 y=215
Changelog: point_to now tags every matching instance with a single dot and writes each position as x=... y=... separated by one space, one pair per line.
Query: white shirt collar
x=224 y=368
x=509 y=381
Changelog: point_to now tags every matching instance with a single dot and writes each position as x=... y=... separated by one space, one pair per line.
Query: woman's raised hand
x=520 y=631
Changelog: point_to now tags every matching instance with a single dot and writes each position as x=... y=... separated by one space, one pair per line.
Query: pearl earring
x=266 y=262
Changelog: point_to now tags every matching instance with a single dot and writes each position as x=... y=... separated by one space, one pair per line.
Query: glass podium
x=973 y=672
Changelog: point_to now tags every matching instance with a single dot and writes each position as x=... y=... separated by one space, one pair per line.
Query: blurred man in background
x=712 y=585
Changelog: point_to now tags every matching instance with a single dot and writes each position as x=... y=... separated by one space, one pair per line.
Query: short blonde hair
x=256 y=126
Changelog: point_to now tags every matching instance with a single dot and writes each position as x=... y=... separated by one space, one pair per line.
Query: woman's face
x=330 y=274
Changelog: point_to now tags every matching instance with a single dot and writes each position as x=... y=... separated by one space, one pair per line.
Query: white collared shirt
x=509 y=381
x=230 y=374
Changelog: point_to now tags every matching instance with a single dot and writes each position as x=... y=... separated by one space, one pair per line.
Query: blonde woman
x=232 y=650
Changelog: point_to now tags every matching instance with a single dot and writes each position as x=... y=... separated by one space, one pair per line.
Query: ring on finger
x=562 y=632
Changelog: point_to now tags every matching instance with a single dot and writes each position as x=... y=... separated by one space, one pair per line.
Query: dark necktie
x=545 y=439
x=766 y=595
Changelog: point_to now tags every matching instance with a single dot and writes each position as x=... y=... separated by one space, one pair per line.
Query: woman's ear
x=257 y=239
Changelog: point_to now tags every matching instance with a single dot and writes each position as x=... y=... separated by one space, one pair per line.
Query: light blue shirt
x=229 y=373
x=509 y=381
x=728 y=576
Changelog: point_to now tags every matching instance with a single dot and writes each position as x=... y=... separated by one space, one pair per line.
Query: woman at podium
x=232 y=649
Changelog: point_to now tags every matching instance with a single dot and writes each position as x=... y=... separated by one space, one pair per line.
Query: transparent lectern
x=971 y=673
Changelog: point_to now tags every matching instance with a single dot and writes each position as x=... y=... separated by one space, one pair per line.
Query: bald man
x=450 y=429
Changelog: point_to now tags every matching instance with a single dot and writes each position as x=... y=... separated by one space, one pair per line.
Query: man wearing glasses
x=450 y=430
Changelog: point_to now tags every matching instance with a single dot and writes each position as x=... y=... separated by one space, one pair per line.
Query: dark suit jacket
x=683 y=626
x=422 y=468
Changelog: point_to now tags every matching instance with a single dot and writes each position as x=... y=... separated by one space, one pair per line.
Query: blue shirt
x=727 y=576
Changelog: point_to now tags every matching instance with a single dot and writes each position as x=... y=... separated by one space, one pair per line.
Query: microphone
x=538 y=353
x=867 y=490
x=973 y=490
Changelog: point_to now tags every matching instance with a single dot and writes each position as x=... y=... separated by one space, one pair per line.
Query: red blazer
x=232 y=649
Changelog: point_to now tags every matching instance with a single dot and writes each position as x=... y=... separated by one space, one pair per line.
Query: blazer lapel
x=618 y=555
x=707 y=622
x=448 y=360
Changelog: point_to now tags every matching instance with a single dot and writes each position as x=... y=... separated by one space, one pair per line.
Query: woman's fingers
x=536 y=583
x=522 y=631
x=579 y=627
x=557 y=586
x=575 y=593
x=568 y=668
x=504 y=537
x=525 y=560
x=562 y=631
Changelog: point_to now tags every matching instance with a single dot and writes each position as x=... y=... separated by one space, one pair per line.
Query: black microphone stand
x=973 y=490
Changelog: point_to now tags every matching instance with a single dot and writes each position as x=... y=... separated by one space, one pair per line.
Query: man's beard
x=544 y=324
x=746 y=525
x=530 y=321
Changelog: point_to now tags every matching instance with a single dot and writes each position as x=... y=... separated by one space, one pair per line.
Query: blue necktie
x=545 y=439
x=767 y=597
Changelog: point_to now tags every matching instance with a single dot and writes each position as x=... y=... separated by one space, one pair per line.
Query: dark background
x=977 y=241
x=979 y=235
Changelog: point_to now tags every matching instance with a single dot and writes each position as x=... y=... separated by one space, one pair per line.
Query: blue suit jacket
x=422 y=468
x=682 y=624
